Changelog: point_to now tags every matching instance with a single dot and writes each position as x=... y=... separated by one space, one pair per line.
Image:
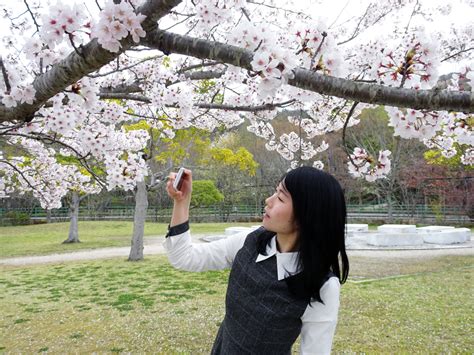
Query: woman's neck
x=286 y=243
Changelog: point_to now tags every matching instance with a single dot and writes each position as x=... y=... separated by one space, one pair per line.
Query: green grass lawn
x=113 y=306
x=47 y=238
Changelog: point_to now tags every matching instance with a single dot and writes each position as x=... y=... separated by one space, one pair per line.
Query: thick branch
x=322 y=84
x=75 y=66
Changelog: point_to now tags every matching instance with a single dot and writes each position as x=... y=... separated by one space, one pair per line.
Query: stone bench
x=397 y=228
x=447 y=236
x=394 y=239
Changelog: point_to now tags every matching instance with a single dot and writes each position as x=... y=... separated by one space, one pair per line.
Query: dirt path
x=154 y=246
x=413 y=253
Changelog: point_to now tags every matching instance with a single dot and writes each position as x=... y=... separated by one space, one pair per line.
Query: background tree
x=205 y=194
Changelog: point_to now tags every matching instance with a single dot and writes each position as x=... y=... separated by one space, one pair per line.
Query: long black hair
x=319 y=210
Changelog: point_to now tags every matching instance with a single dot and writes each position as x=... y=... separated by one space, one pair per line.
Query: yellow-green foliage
x=241 y=159
x=136 y=126
x=186 y=140
x=434 y=157
x=70 y=160
x=204 y=86
x=166 y=62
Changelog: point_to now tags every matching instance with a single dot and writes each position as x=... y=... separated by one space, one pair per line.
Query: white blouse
x=318 y=321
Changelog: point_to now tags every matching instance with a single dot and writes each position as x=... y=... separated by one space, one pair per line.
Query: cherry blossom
x=363 y=165
x=78 y=123
x=116 y=22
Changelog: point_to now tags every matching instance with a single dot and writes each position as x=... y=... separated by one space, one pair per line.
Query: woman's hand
x=184 y=194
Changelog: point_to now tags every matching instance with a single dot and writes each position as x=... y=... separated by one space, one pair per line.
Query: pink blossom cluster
x=116 y=22
x=211 y=14
x=36 y=50
x=415 y=123
x=125 y=173
x=468 y=157
x=316 y=49
x=177 y=101
x=273 y=64
x=62 y=20
x=455 y=128
x=460 y=127
x=443 y=143
x=363 y=165
x=19 y=94
x=262 y=129
x=42 y=175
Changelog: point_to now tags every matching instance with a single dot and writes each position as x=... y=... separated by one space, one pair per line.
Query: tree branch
x=210 y=106
x=75 y=66
x=197 y=66
x=32 y=16
x=5 y=75
x=322 y=84
x=457 y=53
x=125 y=68
x=22 y=176
x=81 y=158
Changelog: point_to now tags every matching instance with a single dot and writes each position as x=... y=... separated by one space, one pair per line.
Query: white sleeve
x=185 y=255
x=319 y=320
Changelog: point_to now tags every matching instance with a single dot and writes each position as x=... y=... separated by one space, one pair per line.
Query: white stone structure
x=390 y=239
x=447 y=236
x=397 y=228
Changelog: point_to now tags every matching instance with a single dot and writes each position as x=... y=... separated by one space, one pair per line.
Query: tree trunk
x=141 y=206
x=393 y=179
x=74 y=214
x=48 y=215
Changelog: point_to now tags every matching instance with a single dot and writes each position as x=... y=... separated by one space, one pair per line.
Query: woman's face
x=278 y=216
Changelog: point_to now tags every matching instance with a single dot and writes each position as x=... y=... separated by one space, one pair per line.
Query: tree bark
x=73 y=236
x=141 y=206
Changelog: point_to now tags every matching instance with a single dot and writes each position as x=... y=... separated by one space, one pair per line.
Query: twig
x=197 y=66
x=125 y=68
x=146 y=117
x=278 y=8
x=349 y=115
x=458 y=53
x=5 y=75
x=180 y=22
x=356 y=31
x=32 y=16
x=411 y=16
x=324 y=34
x=246 y=14
x=339 y=15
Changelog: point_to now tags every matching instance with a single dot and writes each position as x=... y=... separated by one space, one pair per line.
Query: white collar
x=287 y=263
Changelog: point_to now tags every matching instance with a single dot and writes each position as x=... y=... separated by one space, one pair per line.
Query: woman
x=285 y=276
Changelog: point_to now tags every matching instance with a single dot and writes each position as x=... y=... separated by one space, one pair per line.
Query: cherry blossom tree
x=74 y=74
